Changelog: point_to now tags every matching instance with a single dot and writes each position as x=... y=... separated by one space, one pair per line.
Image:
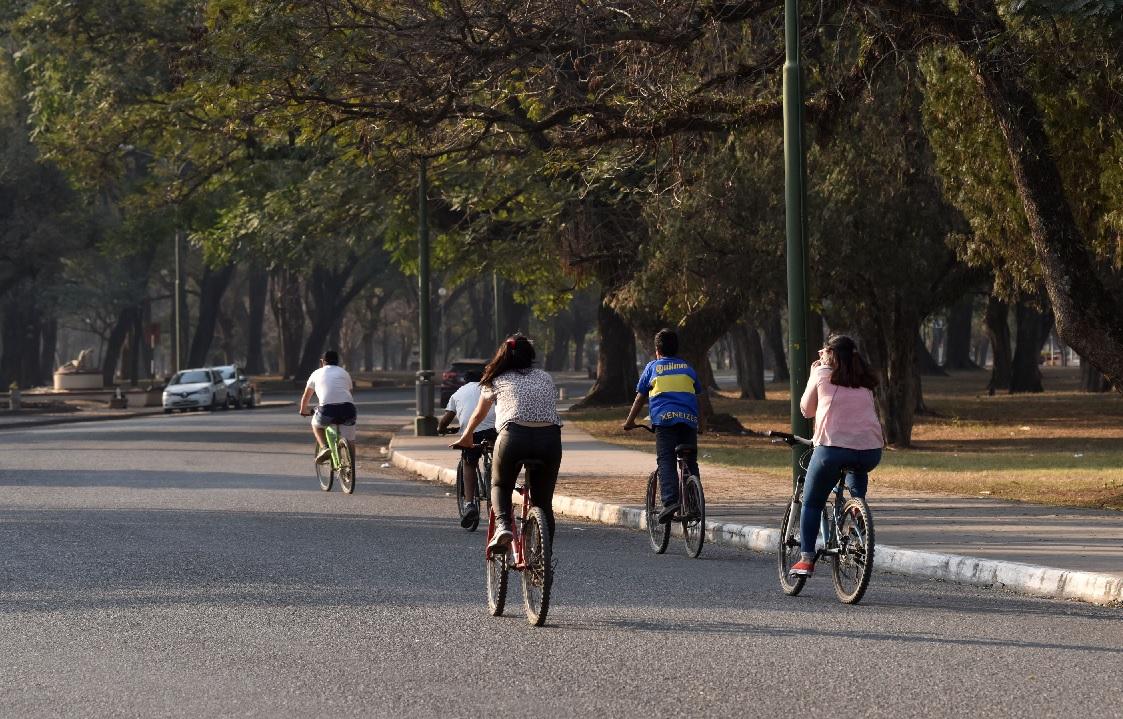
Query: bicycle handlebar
x=786 y=438
x=648 y=427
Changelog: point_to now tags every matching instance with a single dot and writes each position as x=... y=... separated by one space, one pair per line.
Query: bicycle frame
x=518 y=557
x=331 y=435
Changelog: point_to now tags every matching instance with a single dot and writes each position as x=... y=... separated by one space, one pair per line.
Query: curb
x=79 y=419
x=1028 y=579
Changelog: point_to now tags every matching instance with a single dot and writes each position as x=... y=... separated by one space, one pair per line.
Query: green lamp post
x=795 y=171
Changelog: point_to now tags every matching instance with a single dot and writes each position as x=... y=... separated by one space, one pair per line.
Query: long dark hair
x=516 y=353
x=850 y=368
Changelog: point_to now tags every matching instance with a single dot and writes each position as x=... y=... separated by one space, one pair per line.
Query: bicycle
x=529 y=553
x=483 y=480
x=692 y=505
x=342 y=461
x=847 y=531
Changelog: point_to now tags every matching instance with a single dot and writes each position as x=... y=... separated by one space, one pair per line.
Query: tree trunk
x=925 y=363
x=982 y=350
x=998 y=331
x=815 y=336
x=136 y=342
x=959 y=336
x=113 y=345
x=748 y=356
x=331 y=292
x=1091 y=379
x=47 y=359
x=288 y=311
x=776 y=346
x=1033 y=332
x=211 y=289
x=514 y=316
x=559 y=347
x=1088 y=318
x=898 y=394
x=255 y=322
x=616 y=361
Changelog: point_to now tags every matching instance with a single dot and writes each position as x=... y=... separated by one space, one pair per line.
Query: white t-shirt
x=463 y=402
x=332 y=384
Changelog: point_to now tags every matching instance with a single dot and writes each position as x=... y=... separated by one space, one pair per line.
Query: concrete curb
x=1029 y=579
x=79 y=419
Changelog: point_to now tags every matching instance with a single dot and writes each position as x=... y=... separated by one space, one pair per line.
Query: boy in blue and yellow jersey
x=671 y=385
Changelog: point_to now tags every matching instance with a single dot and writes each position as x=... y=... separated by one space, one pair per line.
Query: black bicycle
x=691 y=513
x=483 y=481
x=847 y=531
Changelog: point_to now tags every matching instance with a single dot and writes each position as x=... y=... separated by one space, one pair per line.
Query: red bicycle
x=529 y=553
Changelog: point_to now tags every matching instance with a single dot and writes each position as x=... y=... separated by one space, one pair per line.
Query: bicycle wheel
x=538 y=574
x=788 y=553
x=853 y=564
x=460 y=487
x=324 y=473
x=659 y=534
x=346 y=466
x=496 y=583
x=693 y=516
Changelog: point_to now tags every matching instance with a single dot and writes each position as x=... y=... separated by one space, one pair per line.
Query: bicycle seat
x=686 y=449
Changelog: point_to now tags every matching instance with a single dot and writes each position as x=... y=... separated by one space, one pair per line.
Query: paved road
x=189 y=566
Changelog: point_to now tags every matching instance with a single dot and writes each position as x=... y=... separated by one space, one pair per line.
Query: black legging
x=517 y=444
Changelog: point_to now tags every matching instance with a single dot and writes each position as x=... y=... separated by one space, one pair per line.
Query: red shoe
x=802 y=568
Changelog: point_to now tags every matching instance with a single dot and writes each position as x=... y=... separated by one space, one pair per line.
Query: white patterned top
x=524 y=396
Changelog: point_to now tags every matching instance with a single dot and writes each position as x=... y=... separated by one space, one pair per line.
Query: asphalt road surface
x=190 y=566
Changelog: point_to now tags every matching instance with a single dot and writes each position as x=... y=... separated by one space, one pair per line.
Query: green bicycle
x=341 y=464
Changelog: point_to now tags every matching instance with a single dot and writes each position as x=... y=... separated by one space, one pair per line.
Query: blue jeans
x=667 y=437
x=822 y=476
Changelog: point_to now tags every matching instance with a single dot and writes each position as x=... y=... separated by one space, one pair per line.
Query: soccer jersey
x=672 y=389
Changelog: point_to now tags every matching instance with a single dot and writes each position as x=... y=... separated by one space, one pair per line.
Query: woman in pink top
x=848 y=435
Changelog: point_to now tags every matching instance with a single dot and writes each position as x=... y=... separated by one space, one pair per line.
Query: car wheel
x=167 y=410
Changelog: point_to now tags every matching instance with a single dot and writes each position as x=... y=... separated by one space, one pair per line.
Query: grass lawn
x=1061 y=447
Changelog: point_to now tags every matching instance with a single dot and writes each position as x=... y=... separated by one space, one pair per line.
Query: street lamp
x=795 y=171
x=425 y=424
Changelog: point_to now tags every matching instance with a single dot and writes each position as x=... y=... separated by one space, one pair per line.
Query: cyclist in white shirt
x=460 y=407
x=332 y=386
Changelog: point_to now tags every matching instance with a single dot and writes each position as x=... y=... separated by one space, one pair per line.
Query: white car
x=195 y=389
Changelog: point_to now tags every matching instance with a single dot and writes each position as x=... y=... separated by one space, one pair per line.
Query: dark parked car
x=453 y=378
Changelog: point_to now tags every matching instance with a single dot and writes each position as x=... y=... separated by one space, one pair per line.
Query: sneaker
x=668 y=513
x=323 y=455
x=471 y=514
x=802 y=568
x=502 y=536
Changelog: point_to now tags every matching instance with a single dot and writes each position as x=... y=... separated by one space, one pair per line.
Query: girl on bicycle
x=848 y=434
x=526 y=416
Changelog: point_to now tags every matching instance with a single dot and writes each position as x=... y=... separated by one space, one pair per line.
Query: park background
x=595 y=171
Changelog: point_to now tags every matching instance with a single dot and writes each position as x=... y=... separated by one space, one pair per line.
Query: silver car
x=239 y=389
x=195 y=389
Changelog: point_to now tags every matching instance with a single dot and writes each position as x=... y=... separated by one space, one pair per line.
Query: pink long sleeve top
x=844 y=416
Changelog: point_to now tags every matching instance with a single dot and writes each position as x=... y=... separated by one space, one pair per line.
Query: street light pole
x=425 y=424
x=795 y=171
x=178 y=301
x=495 y=307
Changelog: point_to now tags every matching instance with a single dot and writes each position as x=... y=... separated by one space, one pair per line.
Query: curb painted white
x=1027 y=579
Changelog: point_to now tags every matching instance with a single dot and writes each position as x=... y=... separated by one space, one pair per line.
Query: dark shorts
x=473 y=455
x=327 y=414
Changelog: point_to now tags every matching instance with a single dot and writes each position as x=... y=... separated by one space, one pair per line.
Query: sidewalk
x=963 y=539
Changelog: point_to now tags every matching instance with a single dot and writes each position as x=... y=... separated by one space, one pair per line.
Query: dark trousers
x=667 y=437
x=516 y=445
x=823 y=471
